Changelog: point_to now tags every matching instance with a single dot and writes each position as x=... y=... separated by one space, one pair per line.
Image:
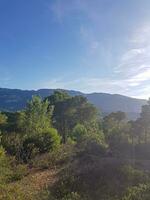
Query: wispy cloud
x=129 y=69
x=89 y=85
x=134 y=66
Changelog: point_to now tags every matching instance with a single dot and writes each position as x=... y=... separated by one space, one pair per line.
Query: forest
x=61 y=148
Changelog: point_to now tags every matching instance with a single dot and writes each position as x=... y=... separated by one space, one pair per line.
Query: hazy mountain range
x=15 y=99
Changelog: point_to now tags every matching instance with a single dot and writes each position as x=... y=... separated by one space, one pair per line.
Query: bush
x=50 y=140
x=78 y=132
x=12 y=142
x=140 y=192
x=40 y=143
x=19 y=172
x=93 y=144
x=52 y=159
x=5 y=168
x=15 y=192
x=80 y=171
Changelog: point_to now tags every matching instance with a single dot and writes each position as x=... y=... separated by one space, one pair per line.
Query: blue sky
x=91 y=46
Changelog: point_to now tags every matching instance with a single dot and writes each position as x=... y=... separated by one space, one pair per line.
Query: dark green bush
x=40 y=143
x=12 y=142
x=19 y=171
x=5 y=167
x=78 y=133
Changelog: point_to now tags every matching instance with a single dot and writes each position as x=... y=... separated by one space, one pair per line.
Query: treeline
x=43 y=125
x=94 y=154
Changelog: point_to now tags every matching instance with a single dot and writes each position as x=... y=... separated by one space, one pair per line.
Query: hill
x=15 y=99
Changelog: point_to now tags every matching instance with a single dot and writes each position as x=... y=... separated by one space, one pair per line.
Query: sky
x=84 y=45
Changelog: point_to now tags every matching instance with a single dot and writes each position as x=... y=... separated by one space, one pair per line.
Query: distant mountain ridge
x=16 y=99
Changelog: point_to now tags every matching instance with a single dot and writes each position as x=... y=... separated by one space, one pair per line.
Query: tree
x=14 y=121
x=56 y=97
x=116 y=131
x=145 y=120
x=70 y=111
x=78 y=132
x=37 y=116
x=115 y=116
x=135 y=131
x=85 y=112
x=113 y=121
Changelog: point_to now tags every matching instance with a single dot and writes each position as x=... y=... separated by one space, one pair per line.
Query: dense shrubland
x=94 y=158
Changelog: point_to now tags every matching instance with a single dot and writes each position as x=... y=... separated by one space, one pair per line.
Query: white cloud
x=131 y=77
x=132 y=74
x=134 y=64
x=144 y=75
x=142 y=35
x=105 y=85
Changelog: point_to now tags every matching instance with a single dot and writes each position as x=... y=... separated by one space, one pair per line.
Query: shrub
x=40 y=143
x=93 y=144
x=78 y=132
x=50 y=140
x=140 y=192
x=12 y=142
x=15 y=192
x=19 y=172
x=53 y=159
x=5 y=168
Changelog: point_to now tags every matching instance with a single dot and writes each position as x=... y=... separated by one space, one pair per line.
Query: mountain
x=15 y=99
x=108 y=103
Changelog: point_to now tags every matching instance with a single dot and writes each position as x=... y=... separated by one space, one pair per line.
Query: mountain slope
x=15 y=99
x=108 y=103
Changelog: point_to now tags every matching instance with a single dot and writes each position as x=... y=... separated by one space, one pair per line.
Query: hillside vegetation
x=61 y=148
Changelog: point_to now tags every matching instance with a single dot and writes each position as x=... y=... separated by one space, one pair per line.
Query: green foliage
x=94 y=178
x=53 y=159
x=140 y=128
x=9 y=170
x=136 y=131
x=71 y=111
x=78 y=171
x=58 y=96
x=140 y=192
x=78 y=132
x=116 y=130
x=3 y=119
x=92 y=144
x=15 y=192
x=40 y=143
x=18 y=172
x=12 y=142
x=14 y=121
x=37 y=116
x=145 y=122
x=5 y=168
x=92 y=162
x=48 y=140
x=37 y=134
